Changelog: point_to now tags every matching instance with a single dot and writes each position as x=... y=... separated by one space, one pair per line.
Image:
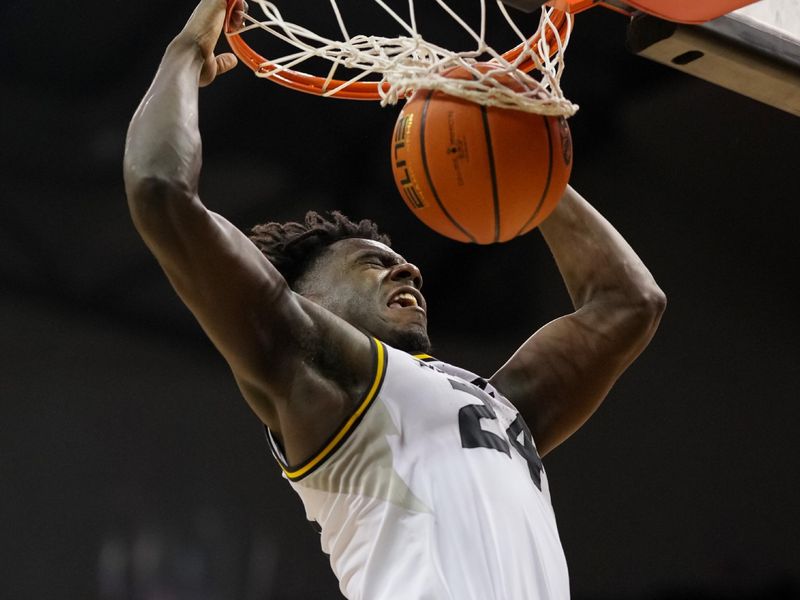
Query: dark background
x=130 y=467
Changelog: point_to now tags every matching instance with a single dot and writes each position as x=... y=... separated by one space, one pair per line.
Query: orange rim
x=357 y=90
x=559 y=19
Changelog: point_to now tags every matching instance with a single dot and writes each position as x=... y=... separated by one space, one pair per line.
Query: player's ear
x=312 y=292
x=305 y=286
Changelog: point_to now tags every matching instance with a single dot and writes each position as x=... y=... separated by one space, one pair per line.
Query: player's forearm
x=596 y=263
x=163 y=147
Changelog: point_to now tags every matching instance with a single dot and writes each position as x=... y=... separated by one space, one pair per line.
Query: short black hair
x=292 y=247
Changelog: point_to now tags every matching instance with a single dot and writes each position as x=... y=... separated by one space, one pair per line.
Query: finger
x=215 y=67
x=205 y=24
x=208 y=72
x=226 y=62
x=208 y=11
x=237 y=15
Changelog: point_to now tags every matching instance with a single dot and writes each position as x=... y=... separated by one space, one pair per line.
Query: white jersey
x=433 y=490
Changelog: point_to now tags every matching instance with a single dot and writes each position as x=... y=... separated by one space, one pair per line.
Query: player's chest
x=452 y=414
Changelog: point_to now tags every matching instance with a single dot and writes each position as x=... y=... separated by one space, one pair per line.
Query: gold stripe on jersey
x=424 y=357
x=297 y=473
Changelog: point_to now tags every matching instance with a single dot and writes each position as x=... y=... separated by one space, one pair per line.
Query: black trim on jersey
x=425 y=358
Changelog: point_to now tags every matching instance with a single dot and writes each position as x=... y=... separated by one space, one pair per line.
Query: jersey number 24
x=517 y=434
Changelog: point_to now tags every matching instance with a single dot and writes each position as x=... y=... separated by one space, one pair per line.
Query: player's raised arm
x=563 y=372
x=265 y=331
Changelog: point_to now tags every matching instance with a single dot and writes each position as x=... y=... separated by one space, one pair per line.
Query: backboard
x=754 y=50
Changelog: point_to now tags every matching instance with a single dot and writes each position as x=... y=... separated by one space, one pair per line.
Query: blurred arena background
x=130 y=467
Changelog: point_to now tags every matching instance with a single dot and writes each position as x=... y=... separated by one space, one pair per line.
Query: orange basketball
x=475 y=173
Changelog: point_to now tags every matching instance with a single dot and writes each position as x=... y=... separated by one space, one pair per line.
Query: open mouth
x=403 y=300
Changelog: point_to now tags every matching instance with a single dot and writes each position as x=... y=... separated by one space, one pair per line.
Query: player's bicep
x=238 y=297
x=562 y=373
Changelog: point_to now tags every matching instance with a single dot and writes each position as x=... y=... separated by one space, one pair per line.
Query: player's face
x=375 y=289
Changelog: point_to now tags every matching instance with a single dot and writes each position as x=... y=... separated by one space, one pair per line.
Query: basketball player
x=425 y=479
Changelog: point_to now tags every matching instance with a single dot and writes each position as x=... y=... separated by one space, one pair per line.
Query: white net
x=405 y=63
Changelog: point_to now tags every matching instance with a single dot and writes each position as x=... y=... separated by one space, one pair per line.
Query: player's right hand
x=204 y=28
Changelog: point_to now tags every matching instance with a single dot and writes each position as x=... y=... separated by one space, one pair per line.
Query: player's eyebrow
x=387 y=258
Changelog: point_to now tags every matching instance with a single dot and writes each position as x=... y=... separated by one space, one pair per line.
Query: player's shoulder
x=455 y=372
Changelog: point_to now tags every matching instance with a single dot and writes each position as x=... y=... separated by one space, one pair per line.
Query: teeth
x=409 y=298
x=405 y=299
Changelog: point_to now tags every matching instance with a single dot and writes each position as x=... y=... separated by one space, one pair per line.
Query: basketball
x=475 y=173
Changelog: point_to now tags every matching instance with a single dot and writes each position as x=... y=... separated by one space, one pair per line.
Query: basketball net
x=526 y=78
